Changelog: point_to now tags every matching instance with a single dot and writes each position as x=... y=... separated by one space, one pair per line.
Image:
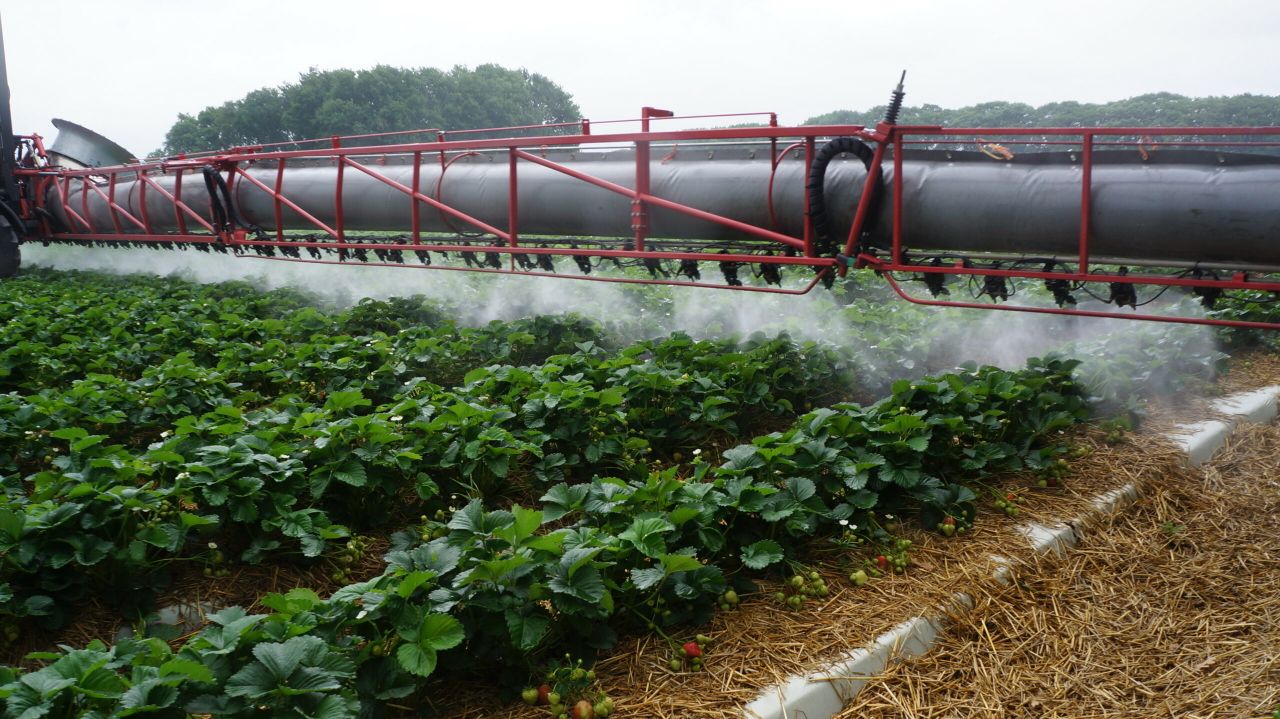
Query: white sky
x=126 y=68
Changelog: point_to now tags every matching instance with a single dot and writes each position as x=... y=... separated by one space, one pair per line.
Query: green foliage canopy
x=381 y=99
x=1154 y=109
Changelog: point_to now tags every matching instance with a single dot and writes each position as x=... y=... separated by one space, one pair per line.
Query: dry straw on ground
x=761 y=644
x=1173 y=611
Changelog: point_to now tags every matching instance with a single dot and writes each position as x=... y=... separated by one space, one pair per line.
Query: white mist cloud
x=1004 y=339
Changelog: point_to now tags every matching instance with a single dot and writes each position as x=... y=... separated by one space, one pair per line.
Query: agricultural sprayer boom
x=1119 y=213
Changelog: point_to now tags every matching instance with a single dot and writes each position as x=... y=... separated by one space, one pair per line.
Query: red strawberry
x=949 y=520
x=691 y=650
x=583 y=710
x=883 y=563
x=543 y=691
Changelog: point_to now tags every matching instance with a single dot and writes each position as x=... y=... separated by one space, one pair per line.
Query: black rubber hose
x=825 y=245
x=211 y=184
x=231 y=207
x=52 y=219
x=10 y=214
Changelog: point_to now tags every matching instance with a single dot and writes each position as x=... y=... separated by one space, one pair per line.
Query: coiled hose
x=824 y=242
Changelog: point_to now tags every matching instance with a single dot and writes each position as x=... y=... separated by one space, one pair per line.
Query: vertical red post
x=513 y=196
x=809 y=148
x=897 y=196
x=639 y=215
x=415 y=210
x=639 y=212
x=337 y=199
x=1086 y=202
x=142 y=204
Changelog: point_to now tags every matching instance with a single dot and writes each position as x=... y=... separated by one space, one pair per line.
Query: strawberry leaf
x=762 y=554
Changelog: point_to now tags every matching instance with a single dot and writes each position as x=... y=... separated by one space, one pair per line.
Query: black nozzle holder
x=895 y=102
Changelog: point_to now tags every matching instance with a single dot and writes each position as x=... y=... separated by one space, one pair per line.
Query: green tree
x=380 y=99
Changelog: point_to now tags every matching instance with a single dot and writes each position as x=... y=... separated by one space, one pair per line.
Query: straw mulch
x=1250 y=370
x=762 y=643
x=1173 y=611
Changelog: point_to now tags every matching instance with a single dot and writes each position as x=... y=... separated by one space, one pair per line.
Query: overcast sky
x=126 y=68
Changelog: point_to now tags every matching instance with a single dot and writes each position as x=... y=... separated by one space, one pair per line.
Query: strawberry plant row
x=107 y=481
x=500 y=588
x=292 y=472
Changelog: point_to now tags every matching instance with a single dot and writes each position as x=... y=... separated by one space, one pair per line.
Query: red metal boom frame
x=783 y=250
x=1085 y=139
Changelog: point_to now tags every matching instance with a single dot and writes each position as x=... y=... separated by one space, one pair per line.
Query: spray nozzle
x=1060 y=288
x=895 y=101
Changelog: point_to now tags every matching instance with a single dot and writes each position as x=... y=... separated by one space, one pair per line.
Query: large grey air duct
x=1176 y=207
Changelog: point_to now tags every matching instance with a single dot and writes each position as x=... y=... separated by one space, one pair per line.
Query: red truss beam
x=887 y=141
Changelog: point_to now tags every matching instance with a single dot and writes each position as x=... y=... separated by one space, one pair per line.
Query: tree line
x=385 y=98
x=1153 y=109
x=381 y=99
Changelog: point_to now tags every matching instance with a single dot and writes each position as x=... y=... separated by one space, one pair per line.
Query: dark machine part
x=12 y=228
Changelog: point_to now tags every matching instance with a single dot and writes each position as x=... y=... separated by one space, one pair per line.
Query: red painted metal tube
x=1086 y=201
x=286 y=201
x=277 y=210
x=1136 y=278
x=639 y=213
x=172 y=239
x=429 y=200
x=1082 y=313
x=897 y=204
x=64 y=189
x=111 y=202
x=587 y=278
x=874 y=173
x=810 y=150
x=179 y=207
x=773 y=173
x=415 y=208
x=339 y=184
x=444 y=167
x=661 y=202
x=817 y=262
x=1077 y=131
x=513 y=196
x=142 y=210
